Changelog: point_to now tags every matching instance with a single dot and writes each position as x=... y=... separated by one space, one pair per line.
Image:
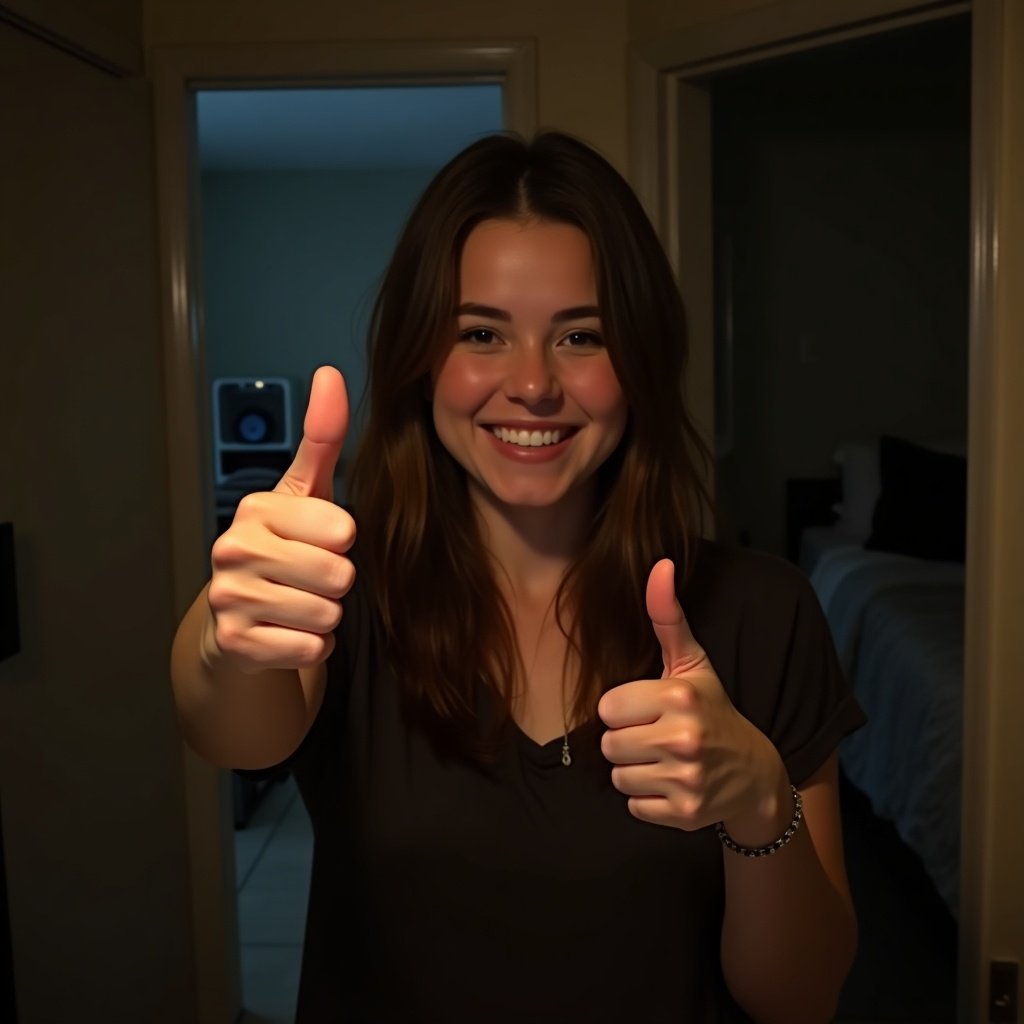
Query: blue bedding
x=898 y=627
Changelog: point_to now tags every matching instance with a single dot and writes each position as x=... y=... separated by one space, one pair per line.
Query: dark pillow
x=922 y=507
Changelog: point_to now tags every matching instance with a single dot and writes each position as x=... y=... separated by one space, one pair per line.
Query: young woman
x=539 y=790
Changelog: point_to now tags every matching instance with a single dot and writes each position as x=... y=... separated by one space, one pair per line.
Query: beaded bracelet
x=764 y=851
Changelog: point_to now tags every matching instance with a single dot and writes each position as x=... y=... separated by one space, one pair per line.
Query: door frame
x=670 y=152
x=177 y=73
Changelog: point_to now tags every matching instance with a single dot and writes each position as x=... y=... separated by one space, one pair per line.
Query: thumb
x=679 y=650
x=311 y=473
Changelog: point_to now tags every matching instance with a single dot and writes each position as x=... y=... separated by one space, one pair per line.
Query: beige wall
x=90 y=764
x=581 y=44
x=123 y=17
x=653 y=19
x=648 y=18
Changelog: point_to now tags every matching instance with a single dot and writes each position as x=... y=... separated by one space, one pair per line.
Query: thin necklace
x=566 y=754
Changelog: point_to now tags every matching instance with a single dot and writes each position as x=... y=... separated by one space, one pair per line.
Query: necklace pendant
x=566 y=756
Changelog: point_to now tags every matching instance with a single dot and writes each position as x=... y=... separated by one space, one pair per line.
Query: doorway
x=841 y=192
x=672 y=161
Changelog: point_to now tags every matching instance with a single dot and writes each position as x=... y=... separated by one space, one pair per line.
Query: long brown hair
x=449 y=631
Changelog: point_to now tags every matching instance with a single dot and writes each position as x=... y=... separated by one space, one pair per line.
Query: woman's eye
x=478 y=335
x=582 y=339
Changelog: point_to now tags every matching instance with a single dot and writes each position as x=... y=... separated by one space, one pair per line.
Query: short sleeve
x=762 y=625
x=815 y=707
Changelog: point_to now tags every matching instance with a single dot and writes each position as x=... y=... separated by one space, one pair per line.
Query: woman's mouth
x=531 y=438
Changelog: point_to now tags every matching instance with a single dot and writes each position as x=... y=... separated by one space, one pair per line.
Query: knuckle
x=347 y=531
x=338 y=576
x=679 y=695
x=346 y=577
x=330 y=616
x=230 y=638
x=687 y=810
x=608 y=745
x=231 y=549
x=681 y=744
x=255 y=504
x=328 y=646
x=334 y=525
x=310 y=651
x=223 y=546
x=219 y=595
x=636 y=809
x=225 y=596
x=607 y=706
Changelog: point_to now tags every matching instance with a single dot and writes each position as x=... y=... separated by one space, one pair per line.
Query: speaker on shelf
x=252 y=438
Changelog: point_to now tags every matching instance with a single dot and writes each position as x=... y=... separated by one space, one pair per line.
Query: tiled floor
x=905 y=969
x=273 y=856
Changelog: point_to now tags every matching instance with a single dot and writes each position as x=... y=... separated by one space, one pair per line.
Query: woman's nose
x=531 y=377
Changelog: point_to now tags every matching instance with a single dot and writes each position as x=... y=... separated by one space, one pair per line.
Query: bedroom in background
x=841 y=239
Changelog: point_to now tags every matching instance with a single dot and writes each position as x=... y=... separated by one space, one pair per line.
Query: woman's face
x=526 y=399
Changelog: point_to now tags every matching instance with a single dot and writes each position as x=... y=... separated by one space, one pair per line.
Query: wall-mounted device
x=252 y=439
x=252 y=427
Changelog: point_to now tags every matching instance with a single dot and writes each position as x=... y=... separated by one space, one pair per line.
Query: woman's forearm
x=236 y=719
x=790 y=933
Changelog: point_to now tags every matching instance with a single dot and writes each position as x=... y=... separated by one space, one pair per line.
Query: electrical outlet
x=1002 y=998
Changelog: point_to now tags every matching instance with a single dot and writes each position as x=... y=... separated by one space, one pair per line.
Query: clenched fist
x=280 y=570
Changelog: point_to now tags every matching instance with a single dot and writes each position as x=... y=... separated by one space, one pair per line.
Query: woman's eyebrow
x=575 y=313
x=493 y=313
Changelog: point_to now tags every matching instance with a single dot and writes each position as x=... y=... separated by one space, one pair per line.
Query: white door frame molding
x=670 y=154
x=177 y=73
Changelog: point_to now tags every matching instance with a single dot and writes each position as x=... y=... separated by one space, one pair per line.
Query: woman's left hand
x=682 y=753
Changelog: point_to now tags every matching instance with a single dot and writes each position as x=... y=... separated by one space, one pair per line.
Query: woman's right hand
x=280 y=570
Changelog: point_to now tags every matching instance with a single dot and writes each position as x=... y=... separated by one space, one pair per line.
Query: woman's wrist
x=770 y=811
x=766 y=849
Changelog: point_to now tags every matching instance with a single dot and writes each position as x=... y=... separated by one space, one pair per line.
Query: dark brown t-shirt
x=529 y=893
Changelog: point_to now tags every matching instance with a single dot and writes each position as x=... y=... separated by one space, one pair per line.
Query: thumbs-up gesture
x=280 y=569
x=681 y=751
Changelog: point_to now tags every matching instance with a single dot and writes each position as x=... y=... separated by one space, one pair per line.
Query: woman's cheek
x=596 y=387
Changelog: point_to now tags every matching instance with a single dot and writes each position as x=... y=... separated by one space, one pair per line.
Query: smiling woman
x=527 y=400
x=565 y=759
x=534 y=281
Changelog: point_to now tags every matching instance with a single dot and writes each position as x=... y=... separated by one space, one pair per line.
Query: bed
x=897 y=622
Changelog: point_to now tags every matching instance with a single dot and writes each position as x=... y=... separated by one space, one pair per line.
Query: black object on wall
x=9 y=635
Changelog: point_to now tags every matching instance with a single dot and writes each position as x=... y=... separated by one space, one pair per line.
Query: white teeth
x=527 y=438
